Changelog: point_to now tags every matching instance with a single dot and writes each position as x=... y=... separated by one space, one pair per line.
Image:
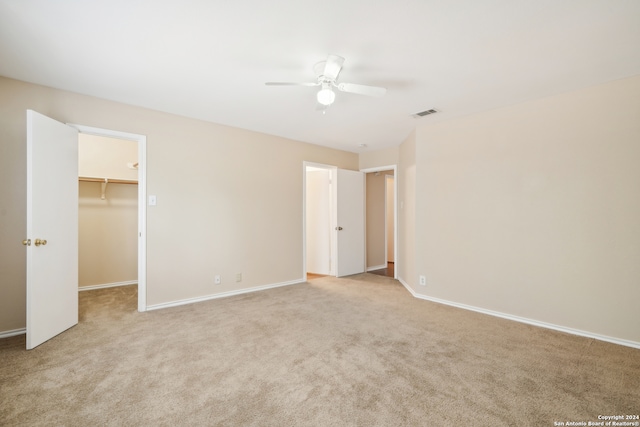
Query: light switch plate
x=152 y=200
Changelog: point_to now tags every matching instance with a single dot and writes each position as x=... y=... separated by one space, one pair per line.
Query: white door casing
x=350 y=233
x=52 y=216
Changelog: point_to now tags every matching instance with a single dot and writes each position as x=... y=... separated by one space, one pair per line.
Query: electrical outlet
x=423 y=281
x=239 y=277
x=217 y=280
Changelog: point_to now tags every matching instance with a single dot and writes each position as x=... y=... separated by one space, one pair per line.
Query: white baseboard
x=377 y=267
x=619 y=341
x=222 y=295
x=107 y=285
x=13 y=333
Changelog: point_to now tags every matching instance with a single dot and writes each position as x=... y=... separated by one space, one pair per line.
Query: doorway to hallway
x=381 y=220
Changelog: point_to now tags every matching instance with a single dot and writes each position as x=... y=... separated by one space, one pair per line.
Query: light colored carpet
x=359 y=351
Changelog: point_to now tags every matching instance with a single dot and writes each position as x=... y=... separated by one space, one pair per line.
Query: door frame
x=395 y=212
x=142 y=198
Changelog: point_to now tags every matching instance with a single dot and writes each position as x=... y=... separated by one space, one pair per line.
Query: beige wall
x=534 y=210
x=107 y=234
x=379 y=158
x=102 y=157
x=225 y=203
x=405 y=264
x=375 y=219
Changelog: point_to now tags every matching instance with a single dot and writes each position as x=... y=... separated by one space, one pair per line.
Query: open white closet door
x=52 y=228
x=350 y=230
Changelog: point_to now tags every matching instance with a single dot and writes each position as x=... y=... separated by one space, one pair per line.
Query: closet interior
x=107 y=212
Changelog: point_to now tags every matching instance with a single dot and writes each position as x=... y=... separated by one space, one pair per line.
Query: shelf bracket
x=103 y=186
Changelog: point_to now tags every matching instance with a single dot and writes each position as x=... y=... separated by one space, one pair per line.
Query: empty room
x=315 y=214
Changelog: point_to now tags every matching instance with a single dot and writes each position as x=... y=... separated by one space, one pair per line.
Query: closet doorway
x=107 y=212
x=111 y=210
x=52 y=217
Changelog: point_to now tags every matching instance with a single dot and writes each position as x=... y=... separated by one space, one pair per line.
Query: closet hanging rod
x=107 y=180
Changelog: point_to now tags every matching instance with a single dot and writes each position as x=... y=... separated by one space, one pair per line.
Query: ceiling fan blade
x=362 y=89
x=290 y=84
x=333 y=66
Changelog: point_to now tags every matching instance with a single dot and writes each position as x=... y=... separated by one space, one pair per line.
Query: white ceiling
x=209 y=59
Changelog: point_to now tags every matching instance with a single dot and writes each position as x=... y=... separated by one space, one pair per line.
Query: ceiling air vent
x=425 y=113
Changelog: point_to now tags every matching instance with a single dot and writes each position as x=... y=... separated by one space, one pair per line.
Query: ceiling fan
x=327 y=72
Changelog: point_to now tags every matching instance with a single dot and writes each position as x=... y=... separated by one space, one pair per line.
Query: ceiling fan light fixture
x=326 y=96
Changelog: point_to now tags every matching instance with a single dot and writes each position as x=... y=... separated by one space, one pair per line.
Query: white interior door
x=52 y=228
x=350 y=233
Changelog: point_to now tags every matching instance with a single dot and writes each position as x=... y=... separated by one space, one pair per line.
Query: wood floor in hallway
x=389 y=271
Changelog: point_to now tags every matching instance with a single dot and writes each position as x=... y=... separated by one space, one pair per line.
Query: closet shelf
x=105 y=181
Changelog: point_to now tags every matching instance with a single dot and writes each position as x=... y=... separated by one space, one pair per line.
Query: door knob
x=40 y=242
x=26 y=242
x=338 y=228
